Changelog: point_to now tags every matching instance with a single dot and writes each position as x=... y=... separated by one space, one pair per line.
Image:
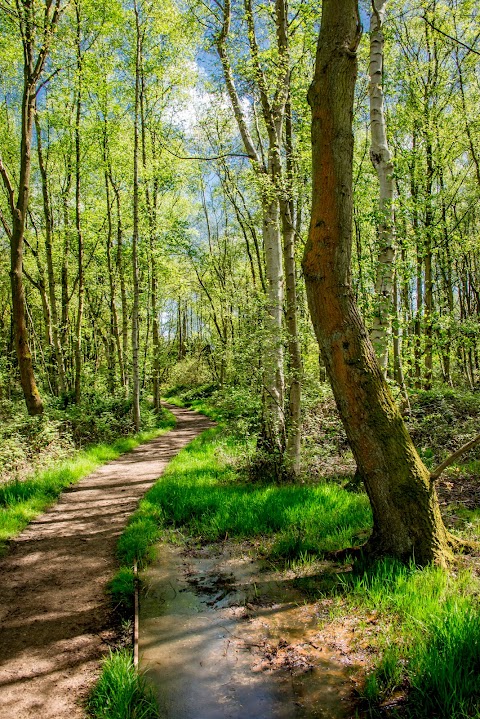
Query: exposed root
x=463 y=546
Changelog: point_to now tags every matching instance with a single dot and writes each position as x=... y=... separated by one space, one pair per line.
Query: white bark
x=135 y=238
x=382 y=161
x=273 y=347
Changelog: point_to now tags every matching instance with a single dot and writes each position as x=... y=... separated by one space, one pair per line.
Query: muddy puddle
x=222 y=637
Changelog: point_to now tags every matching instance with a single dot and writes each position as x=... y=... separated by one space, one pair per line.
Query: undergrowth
x=429 y=643
x=121 y=692
x=204 y=494
x=426 y=627
x=29 y=445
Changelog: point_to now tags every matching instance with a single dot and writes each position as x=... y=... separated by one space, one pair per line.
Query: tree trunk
x=406 y=516
x=114 y=339
x=123 y=349
x=24 y=356
x=428 y=258
x=272 y=435
x=287 y=212
x=151 y=200
x=32 y=70
x=273 y=383
x=382 y=161
x=59 y=364
x=135 y=238
x=65 y=262
x=78 y=224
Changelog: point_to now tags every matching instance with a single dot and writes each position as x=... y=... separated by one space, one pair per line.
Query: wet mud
x=223 y=637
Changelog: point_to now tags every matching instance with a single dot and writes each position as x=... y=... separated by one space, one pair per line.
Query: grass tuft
x=122 y=590
x=121 y=693
x=430 y=640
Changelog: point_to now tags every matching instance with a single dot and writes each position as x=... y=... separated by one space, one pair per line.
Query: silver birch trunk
x=381 y=158
x=136 y=278
x=273 y=345
x=274 y=419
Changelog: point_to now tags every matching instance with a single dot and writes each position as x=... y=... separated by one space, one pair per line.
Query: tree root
x=463 y=546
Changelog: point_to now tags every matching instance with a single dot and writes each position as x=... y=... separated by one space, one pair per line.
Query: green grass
x=21 y=501
x=121 y=693
x=202 y=494
x=202 y=405
x=430 y=638
x=427 y=631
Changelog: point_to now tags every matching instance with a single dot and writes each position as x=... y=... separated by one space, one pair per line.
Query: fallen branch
x=451 y=459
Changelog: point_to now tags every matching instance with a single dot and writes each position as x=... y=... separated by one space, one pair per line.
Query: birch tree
x=276 y=215
x=381 y=158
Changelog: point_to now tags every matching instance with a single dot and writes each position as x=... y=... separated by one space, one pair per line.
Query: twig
x=450 y=37
x=451 y=459
x=206 y=159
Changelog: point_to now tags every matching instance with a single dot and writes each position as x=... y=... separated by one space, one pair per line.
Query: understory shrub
x=31 y=444
x=202 y=492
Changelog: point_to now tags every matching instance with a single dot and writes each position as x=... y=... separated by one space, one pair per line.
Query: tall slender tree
x=36 y=30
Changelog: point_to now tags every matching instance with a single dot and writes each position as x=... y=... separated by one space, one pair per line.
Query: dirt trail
x=55 y=620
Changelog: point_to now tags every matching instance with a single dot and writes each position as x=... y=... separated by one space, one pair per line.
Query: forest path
x=55 y=617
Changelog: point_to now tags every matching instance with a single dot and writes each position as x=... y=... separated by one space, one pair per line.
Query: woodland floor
x=222 y=634
x=55 y=617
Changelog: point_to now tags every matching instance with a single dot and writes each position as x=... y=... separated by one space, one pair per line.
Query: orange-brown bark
x=406 y=515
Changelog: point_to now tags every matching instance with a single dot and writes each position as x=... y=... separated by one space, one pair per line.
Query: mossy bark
x=406 y=516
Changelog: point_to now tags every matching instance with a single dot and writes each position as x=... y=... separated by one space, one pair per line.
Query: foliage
x=203 y=493
x=442 y=420
x=31 y=444
x=122 y=590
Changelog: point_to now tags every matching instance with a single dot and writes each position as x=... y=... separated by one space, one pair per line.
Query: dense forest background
x=166 y=143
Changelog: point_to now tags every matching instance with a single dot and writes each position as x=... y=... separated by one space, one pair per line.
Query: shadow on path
x=55 y=620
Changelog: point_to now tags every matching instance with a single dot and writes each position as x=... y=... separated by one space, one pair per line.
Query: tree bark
x=287 y=212
x=59 y=363
x=406 y=516
x=123 y=349
x=78 y=221
x=32 y=70
x=381 y=158
x=270 y=176
x=135 y=238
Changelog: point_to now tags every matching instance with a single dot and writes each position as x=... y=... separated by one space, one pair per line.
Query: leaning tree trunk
x=16 y=235
x=381 y=158
x=406 y=516
x=34 y=62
